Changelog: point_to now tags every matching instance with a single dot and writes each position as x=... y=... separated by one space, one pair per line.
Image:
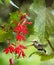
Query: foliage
x=42 y=28
x=1 y=2
x=4 y=1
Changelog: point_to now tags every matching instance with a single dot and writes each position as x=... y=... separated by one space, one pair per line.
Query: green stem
x=32 y=54
x=50 y=45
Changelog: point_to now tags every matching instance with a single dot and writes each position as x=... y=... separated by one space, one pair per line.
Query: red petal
x=20 y=37
x=23 y=54
x=29 y=23
x=11 y=61
x=19 y=55
x=22 y=46
x=6 y=50
x=11 y=49
x=17 y=50
x=22 y=17
x=17 y=28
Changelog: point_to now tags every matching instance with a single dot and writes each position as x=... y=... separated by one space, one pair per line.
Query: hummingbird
x=39 y=46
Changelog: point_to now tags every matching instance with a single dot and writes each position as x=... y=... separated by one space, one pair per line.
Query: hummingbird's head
x=35 y=41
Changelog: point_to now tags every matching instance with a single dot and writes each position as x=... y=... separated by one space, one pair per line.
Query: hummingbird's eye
x=35 y=42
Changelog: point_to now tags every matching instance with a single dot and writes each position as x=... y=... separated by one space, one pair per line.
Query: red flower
x=17 y=28
x=23 y=16
x=19 y=51
x=11 y=61
x=22 y=46
x=9 y=49
x=24 y=29
x=21 y=28
x=20 y=37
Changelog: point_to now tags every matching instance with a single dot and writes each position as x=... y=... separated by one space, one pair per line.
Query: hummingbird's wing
x=43 y=45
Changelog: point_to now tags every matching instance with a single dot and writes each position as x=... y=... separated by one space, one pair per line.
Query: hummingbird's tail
x=44 y=50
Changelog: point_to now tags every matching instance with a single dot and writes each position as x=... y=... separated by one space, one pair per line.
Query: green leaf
x=29 y=61
x=6 y=33
x=14 y=17
x=1 y=2
x=6 y=2
x=49 y=25
x=44 y=56
x=44 y=20
x=2 y=35
x=9 y=35
x=47 y=57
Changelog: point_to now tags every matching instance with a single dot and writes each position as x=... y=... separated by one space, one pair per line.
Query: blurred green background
x=42 y=16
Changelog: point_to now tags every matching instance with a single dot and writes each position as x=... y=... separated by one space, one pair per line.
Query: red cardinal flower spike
x=9 y=49
x=21 y=29
x=20 y=37
x=19 y=50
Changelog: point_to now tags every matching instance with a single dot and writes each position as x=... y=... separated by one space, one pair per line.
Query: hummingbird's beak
x=29 y=41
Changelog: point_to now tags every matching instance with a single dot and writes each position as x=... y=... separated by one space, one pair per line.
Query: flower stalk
x=21 y=31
